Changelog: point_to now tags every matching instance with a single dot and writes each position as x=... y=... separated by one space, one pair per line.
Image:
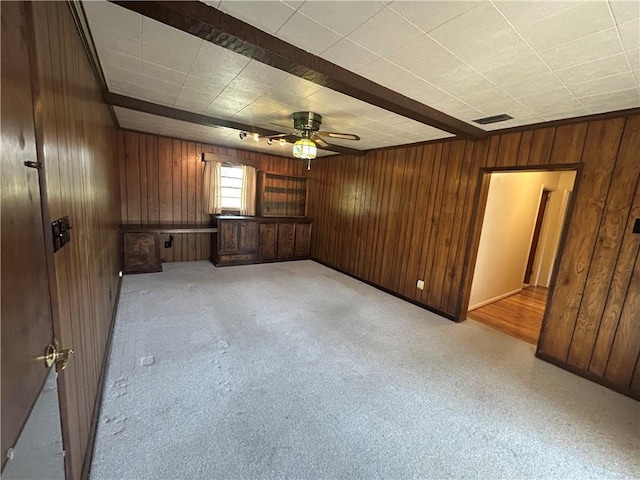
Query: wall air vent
x=495 y=119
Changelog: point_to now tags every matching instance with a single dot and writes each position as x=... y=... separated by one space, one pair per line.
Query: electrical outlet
x=420 y=285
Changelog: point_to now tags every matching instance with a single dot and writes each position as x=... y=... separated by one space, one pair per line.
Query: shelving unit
x=281 y=195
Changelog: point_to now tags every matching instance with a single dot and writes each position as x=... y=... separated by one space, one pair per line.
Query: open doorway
x=521 y=231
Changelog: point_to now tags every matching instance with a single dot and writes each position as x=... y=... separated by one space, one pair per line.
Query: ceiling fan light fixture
x=304 y=148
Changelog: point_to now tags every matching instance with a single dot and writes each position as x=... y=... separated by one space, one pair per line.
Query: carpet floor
x=292 y=370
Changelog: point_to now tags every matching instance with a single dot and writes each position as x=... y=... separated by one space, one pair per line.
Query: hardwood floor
x=518 y=315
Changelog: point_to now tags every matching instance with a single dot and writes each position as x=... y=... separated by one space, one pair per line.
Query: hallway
x=519 y=315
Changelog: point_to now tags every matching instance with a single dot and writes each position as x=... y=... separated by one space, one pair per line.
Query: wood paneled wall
x=77 y=143
x=399 y=215
x=161 y=182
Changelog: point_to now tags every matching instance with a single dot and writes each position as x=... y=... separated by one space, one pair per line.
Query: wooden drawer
x=236 y=259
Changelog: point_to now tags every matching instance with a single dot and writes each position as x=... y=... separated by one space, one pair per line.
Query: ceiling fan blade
x=340 y=149
x=341 y=136
x=321 y=143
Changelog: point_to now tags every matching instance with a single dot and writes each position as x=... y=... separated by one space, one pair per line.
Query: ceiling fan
x=307 y=125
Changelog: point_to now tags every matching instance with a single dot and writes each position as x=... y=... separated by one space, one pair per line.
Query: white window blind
x=231 y=187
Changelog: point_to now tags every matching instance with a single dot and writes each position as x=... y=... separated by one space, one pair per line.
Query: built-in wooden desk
x=141 y=243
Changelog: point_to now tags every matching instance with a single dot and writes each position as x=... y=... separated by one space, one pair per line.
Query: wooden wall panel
x=79 y=150
x=416 y=219
x=161 y=181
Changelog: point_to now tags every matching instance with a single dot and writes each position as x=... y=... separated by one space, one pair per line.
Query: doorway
x=521 y=231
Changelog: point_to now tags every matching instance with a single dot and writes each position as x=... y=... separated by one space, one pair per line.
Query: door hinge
x=37 y=165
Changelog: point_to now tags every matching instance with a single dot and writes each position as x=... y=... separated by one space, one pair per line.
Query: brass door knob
x=58 y=357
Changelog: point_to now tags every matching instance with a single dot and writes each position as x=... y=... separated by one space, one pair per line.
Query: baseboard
x=88 y=456
x=448 y=316
x=495 y=299
x=628 y=392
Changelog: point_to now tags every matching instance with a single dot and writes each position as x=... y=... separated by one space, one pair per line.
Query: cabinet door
x=303 y=240
x=228 y=233
x=142 y=252
x=268 y=241
x=248 y=241
x=286 y=238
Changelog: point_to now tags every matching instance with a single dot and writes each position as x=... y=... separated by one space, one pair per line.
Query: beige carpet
x=293 y=370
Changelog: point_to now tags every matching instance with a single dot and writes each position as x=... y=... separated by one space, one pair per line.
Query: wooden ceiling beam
x=130 y=103
x=217 y=27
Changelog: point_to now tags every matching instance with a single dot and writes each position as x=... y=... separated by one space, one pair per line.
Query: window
x=231 y=177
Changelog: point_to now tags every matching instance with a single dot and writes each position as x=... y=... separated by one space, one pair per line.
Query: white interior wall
x=507 y=230
x=552 y=230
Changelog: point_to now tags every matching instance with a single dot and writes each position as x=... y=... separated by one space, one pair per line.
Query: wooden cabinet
x=281 y=195
x=268 y=241
x=236 y=241
x=141 y=252
x=243 y=240
x=284 y=239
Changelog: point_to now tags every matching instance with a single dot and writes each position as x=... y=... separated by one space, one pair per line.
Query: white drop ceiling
x=536 y=61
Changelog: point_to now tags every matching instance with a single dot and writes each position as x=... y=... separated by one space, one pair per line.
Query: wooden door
x=228 y=234
x=268 y=241
x=26 y=311
x=536 y=235
x=303 y=240
x=248 y=236
x=286 y=239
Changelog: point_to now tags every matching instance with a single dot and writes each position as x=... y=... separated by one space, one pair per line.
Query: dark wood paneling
x=79 y=149
x=416 y=219
x=168 y=189
x=26 y=313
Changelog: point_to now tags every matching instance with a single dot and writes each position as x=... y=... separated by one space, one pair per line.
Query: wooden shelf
x=281 y=195
x=169 y=228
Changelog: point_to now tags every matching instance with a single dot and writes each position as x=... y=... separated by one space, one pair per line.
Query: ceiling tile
x=263 y=73
x=114 y=17
x=630 y=34
x=536 y=83
x=243 y=90
x=162 y=73
x=396 y=78
x=158 y=84
x=634 y=58
x=171 y=58
x=516 y=70
x=624 y=11
x=224 y=107
x=206 y=85
x=110 y=58
x=614 y=83
x=349 y=55
x=429 y=15
x=488 y=41
x=613 y=101
x=123 y=87
x=154 y=95
x=385 y=32
x=550 y=102
x=522 y=13
x=597 y=69
x=315 y=39
x=169 y=38
x=341 y=17
x=292 y=90
x=116 y=41
x=216 y=62
x=194 y=100
x=267 y=16
x=587 y=49
x=570 y=114
x=578 y=21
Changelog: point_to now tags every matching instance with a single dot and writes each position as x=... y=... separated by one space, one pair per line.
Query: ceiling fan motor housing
x=307 y=121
